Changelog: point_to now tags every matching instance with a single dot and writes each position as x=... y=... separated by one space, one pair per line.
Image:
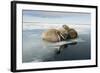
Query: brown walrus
x=57 y=35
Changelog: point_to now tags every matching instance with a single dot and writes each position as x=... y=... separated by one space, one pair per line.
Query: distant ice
x=78 y=27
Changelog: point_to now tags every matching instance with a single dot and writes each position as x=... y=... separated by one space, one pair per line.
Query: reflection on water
x=62 y=47
x=37 y=50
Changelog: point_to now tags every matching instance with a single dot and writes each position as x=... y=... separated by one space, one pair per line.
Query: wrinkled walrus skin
x=57 y=35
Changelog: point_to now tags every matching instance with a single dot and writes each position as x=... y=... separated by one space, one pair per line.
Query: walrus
x=57 y=35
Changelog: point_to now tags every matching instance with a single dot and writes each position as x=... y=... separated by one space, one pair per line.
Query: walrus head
x=72 y=33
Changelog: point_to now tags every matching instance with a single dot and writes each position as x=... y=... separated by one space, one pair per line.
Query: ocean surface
x=34 y=49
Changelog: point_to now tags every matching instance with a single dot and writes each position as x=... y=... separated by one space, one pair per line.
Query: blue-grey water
x=36 y=50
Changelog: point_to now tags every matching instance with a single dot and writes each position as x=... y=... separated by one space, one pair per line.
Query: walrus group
x=63 y=34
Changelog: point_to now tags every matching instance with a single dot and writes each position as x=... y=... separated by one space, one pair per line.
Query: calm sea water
x=37 y=50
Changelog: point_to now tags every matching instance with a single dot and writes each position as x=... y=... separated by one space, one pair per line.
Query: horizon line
x=53 y=23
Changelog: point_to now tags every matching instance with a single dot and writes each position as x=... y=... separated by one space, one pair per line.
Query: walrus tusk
x=58 y=36
x=62 y=35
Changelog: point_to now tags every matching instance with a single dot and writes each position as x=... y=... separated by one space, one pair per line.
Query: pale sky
x=56 y=17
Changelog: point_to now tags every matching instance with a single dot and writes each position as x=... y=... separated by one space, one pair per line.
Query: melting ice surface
x=37 y=50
